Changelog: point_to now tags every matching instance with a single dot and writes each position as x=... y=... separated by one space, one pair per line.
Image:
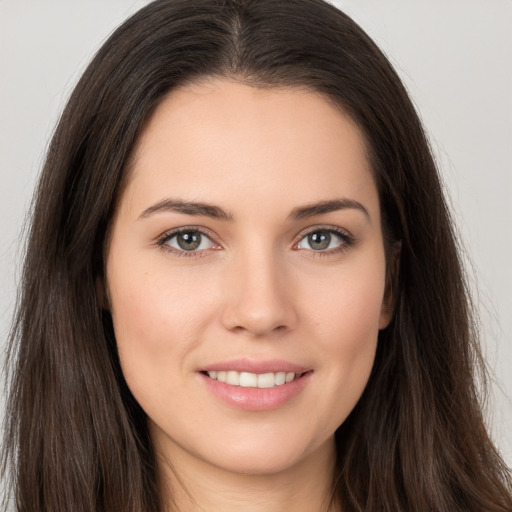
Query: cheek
x=347 y=308
x=346 y=331
x=157 y=318
x=350 y=339
x=151 y=301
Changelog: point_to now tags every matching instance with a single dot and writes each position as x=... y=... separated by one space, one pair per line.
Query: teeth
x=281 y=378
x=233 y=378
x=248 y=380
x=253 y=380
x=267 y=380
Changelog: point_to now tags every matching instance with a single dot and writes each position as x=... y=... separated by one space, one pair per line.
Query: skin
x=256 y=288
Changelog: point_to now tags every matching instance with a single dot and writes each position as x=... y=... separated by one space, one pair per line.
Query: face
x=246 y=275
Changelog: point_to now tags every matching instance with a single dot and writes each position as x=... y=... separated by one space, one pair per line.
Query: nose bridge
x=258 y=299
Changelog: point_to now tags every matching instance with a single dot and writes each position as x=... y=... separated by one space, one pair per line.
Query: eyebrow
x=216 y=212
x=322 y=207
x=188 y=208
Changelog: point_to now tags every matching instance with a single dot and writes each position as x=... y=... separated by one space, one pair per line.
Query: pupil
x=319 y=240
x=189 y=241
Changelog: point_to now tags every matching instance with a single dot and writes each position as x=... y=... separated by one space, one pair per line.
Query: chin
x=260 y=463
x=268 y=456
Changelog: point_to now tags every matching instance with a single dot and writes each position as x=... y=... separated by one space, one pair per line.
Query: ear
x=390 y=292
x=102 y=293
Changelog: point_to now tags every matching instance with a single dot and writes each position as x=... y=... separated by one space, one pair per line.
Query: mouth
x=256 y=385
x=253 y=380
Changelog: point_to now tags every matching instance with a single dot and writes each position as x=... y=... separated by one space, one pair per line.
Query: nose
x=258 y=296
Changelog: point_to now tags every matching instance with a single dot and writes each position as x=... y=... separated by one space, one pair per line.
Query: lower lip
x=256 y=399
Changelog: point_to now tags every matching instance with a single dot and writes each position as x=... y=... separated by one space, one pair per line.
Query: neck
x=193 y=485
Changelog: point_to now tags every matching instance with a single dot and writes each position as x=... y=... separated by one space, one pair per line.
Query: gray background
x=455 y=57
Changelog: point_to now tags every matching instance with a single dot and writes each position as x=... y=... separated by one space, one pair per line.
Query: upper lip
x=256 y=366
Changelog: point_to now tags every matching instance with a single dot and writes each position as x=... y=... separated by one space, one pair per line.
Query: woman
x=242 y=286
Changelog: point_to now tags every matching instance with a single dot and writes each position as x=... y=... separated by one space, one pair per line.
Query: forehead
x=216 y=139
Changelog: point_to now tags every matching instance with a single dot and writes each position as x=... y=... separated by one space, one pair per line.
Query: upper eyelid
x=166 y=235
x=333 y=229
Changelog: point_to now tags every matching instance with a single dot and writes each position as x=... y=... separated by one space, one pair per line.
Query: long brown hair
x=75 y=437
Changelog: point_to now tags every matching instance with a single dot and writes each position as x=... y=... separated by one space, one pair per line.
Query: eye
x=324 y=240
x=187 y=241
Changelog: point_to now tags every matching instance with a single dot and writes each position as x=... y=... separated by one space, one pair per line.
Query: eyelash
x=347 y=241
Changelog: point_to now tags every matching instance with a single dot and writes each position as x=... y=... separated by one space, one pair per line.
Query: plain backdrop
x=455 y=57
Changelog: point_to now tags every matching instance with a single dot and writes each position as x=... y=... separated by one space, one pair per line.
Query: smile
x=253 y=380
x=256 y=391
